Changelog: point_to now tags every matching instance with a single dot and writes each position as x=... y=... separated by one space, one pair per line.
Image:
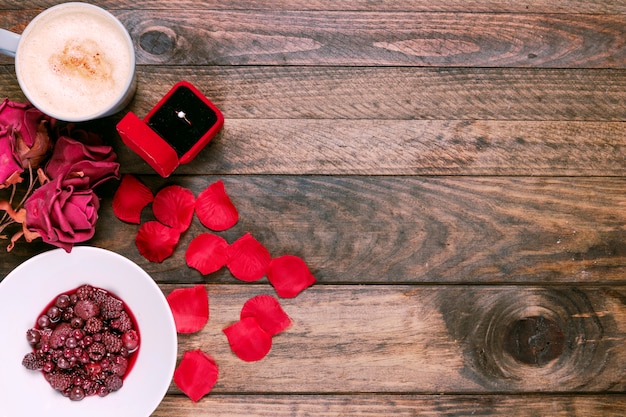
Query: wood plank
x=406 y=147
x=175 y=37
x=394 y=405
x=408 y=229
x=537 y=6
x=375 y=38
x=418 y=339
x=397 y=93
x=362 y=38
x=388 y=93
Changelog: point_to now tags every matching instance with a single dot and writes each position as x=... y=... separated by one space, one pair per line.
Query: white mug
x=74 y=62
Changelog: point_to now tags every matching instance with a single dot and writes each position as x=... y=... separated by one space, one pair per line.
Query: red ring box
x=182 y=123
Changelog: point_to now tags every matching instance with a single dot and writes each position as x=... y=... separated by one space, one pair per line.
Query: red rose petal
x=130 y=198
x=248 y=259
x=248 y=340
x=156 y=241
x=214 y=208
x=190 y=308
x=268 y=313
x=289 y=275
x=174 y=206
x=196 y=374
x=207 y=253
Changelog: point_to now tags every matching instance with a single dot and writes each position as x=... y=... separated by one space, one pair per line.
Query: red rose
x=70 y=157
x=63 y=211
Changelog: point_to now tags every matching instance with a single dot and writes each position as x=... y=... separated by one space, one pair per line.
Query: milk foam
x=74 y=63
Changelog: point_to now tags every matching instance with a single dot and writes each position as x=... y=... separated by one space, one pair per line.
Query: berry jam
x=85 y=342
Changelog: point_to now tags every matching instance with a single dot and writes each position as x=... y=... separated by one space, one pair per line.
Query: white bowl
x=30 y=287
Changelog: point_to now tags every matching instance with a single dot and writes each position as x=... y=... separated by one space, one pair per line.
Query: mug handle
x=8 y=42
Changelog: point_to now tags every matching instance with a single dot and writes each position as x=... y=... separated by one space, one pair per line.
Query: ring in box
x=174 y=131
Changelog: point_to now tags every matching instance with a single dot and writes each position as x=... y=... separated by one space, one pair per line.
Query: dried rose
x=70 y=157
x=24 y=140
x=63 y=211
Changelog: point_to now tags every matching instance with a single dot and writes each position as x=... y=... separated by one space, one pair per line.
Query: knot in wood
x=157 y=42
x=534 y=340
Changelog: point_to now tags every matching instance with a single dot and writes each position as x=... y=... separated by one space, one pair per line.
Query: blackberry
x=93 y=325
x=84 y=292
x=33 y=362
x=99 y=296
x=97 y=351
x=122 y=324
x=60 y=381
x=112 y=342
x=113 y=383
x=111 y=308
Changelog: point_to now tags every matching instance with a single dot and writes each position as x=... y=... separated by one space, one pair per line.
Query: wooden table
x=453 y=172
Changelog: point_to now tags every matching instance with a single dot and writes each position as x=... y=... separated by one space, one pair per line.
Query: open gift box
x=175 y=130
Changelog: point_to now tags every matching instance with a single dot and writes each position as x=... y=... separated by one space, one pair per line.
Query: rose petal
x=130 y=198
x=207 y=253
x=248 y=259
x=214 y=208
x=196 y=374
x=190 y=308
x=174 y=206
x=289 y=275
x=248 y=340
x=156 y=241
x=268 y=313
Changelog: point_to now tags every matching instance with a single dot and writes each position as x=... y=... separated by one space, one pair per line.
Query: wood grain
x=408 y=229
x=537 y=6
x=275 y=37
x=391 y=93
x=368 y=405
x=408 y=339
x=363 y=38
x=406 y=147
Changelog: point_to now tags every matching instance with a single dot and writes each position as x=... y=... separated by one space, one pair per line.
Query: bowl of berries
x=84 y=333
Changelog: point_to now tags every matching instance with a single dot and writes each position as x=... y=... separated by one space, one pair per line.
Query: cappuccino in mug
x=75 y=62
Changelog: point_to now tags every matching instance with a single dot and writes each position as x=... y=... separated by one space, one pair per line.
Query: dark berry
x=48 y=367
x=44 y=321
x=97 y=351
x=68 y=314
x=111 y=308
x=60 y=334
x=63 y=301
x=86 y=309
x=60 y=381
x=113 y=383
x=84 y=292
x=33 y=362
x=119 y=366
x=76 y=322
x=77 y=393
x=130 y=339
x=54 y=313
x=112 y=342
x=93 y=325
x=103 y=391
x=33 y=336
x=123 y=323
x=63 y=363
